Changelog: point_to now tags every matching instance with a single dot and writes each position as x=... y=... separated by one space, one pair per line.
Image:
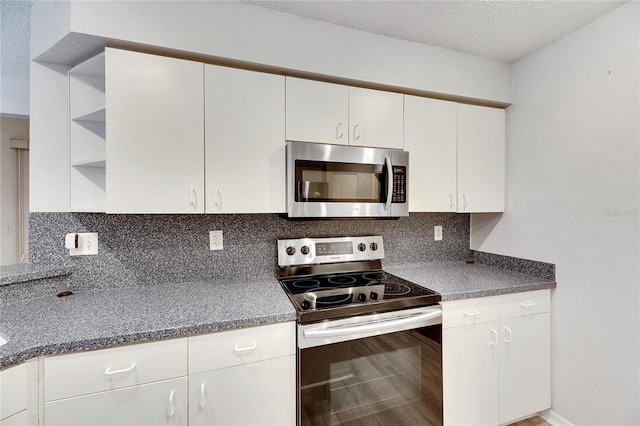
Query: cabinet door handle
x=217 y=199
x=245 y=348
x=464 y=201
x=194 y=198
x=527 y=304
x=339 y=132
x=507 y=335
x=172 y=408
x=109 y=371
x=203 y=398
x=494 y=337
x=471 y=313
x=452 y=202
x=356 y=132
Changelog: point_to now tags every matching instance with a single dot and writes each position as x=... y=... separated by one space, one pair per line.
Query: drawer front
x=229 y=348
x=19 y=419
x=13 y=390
x=108 y=369
x=459 y=313
x=159 y=403
x=527 y=303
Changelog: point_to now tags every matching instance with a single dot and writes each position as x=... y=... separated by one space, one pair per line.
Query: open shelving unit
x=87 y=135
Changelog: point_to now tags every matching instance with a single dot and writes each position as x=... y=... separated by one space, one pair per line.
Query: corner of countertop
x=23 y=272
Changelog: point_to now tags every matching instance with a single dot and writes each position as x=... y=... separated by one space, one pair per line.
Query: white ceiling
x=502 y=30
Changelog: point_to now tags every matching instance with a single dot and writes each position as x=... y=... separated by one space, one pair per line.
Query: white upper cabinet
x=155 y=134
x=333 y=113
x=245 y=141
x=457 y=155
x=430 y=136
x=317 y=111
x=481 y=159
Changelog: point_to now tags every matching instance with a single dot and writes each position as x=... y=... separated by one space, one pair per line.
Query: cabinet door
x=155 y=134
x=430 y=136
x=245 y=141
x=260 y=393
x=470 y=362
x=525 y=371
x=158 y=403
x=317 y=112
x=13 y=390
x=481 y=159
x=375 y=118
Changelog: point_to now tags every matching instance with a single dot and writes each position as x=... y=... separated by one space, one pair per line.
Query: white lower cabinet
x=243 y=377
x=13 y=395
x=259 y=393
x=158 y=403
x=496 y=358
x=142 y=384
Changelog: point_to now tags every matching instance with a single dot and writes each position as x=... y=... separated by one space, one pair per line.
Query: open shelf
x=96 y=116
x=93 y=67
x=96 y=162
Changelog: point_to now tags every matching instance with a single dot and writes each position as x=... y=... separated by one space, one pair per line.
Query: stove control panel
x=306 y=251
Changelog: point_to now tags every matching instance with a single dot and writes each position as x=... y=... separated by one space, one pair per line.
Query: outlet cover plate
x=215 y=240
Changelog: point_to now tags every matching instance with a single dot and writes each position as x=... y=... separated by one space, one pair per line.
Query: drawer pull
x=527 y=304
x=109 y=371
x=172 y=408
x=472 y=313
x=246 y=348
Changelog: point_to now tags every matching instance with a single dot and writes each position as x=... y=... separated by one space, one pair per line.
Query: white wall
x=15 y=98
x=573 y=199
x=257 y=35
x=12 y=226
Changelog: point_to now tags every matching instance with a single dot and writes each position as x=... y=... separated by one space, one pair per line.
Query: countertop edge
x=9 y=359
x=14 y=274
x=547 y=285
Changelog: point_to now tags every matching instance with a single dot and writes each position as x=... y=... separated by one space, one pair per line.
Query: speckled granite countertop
x=104 y=318
x=23 y=272
x=460 y=280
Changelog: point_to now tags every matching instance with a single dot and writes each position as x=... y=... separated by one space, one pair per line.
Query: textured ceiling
x=503 y=30
x=15 y=29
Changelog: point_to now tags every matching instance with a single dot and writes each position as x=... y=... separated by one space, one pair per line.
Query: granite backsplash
x=158 y=249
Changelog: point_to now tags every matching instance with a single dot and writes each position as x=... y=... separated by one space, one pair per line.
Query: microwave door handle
x=387 y=162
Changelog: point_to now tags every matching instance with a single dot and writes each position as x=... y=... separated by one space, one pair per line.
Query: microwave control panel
x=399 y=185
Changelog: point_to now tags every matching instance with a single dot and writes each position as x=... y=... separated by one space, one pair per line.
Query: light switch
x=437 y=233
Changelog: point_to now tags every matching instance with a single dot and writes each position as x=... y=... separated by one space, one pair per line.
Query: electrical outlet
x=8 y=229
x=437 y=233
x=215 y=240
x=82 y=243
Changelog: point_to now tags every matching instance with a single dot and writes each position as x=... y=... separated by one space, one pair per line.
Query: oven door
x=344 y=181
x=376 y=369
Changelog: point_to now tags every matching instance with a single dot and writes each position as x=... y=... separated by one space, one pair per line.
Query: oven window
x=321 y=181
x=389 y=379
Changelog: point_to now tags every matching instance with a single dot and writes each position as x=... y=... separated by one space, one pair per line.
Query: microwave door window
x=319 y=181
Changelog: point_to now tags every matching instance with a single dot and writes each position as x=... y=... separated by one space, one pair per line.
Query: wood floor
x=533 y=421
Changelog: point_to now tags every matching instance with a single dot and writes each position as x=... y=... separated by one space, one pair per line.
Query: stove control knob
x=305 y=305
x=373 y=295
x=362 y=247
x=373 y=246
x=291 y=250
x=362 y=297
x=304 y=250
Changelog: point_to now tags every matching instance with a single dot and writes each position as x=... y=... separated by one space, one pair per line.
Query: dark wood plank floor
x=533 y=421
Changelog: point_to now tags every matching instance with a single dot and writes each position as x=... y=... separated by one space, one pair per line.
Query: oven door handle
x=376 y=326
x=387 y=162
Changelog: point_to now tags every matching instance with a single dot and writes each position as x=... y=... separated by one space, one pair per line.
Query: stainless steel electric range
x=369 y=343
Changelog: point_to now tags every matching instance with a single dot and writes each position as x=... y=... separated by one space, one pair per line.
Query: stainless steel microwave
x=346 y=181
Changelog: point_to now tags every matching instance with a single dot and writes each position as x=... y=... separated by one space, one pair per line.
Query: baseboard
x=554 y=419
